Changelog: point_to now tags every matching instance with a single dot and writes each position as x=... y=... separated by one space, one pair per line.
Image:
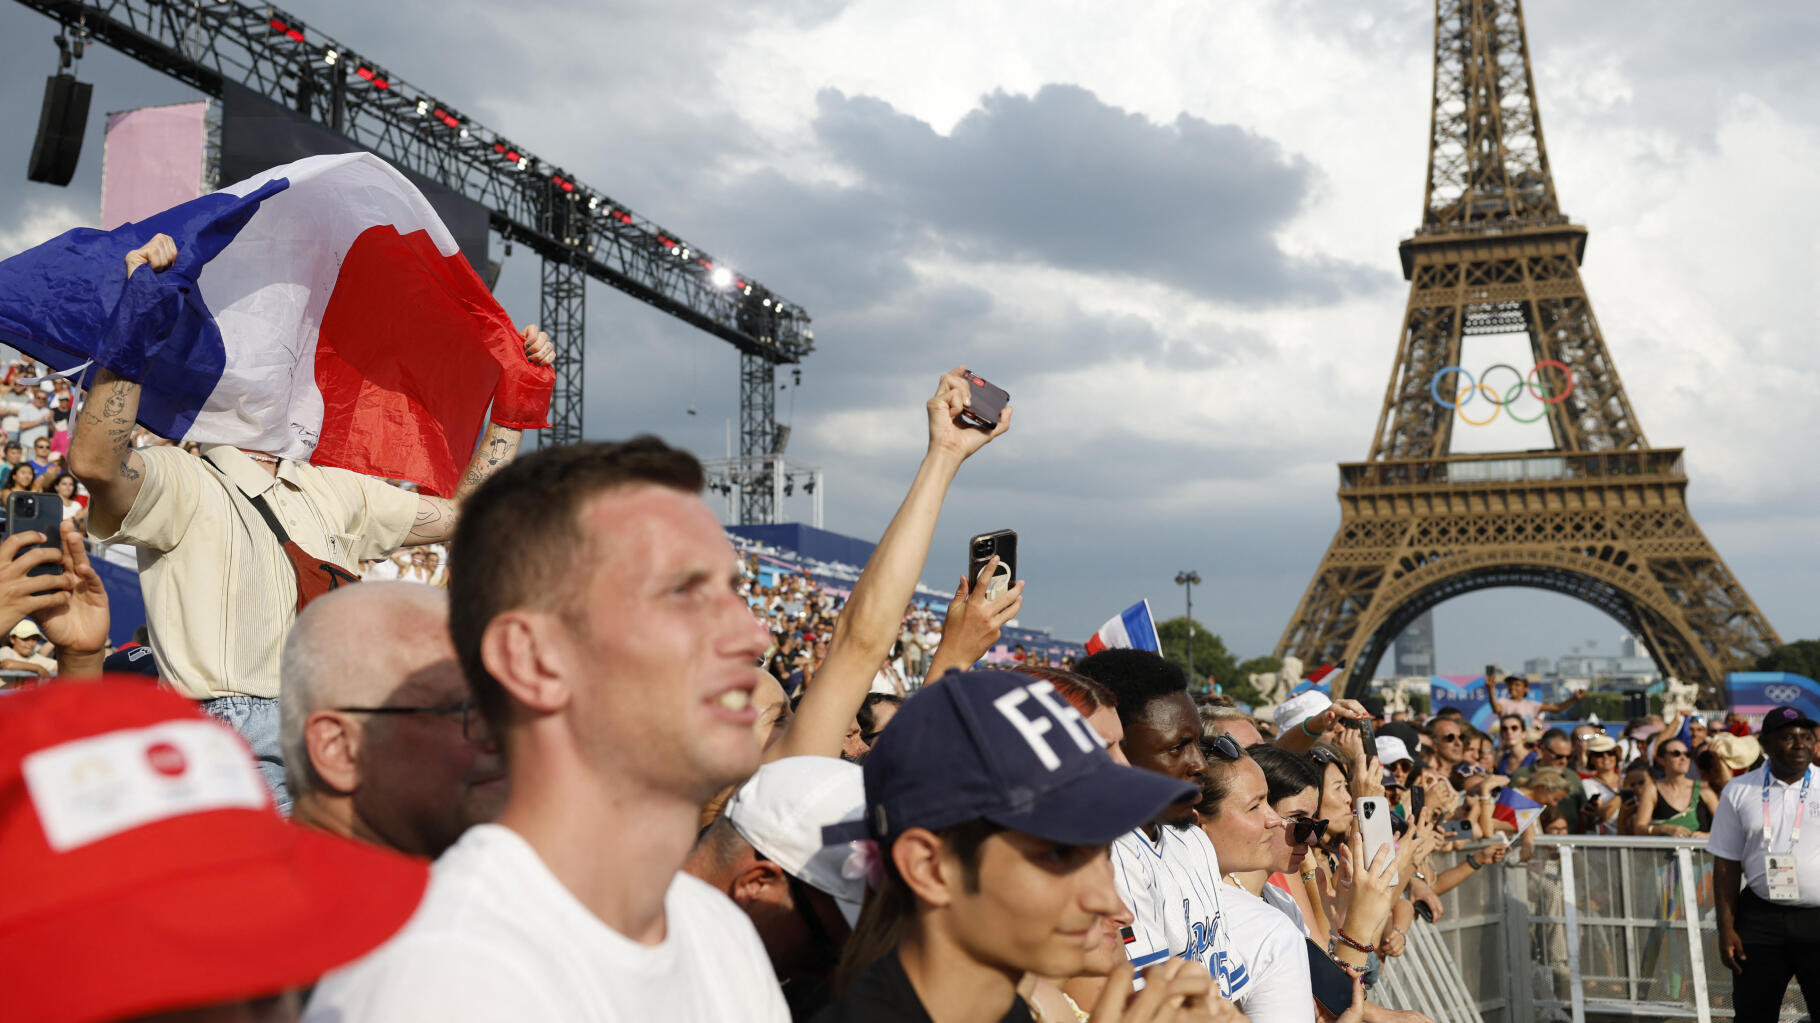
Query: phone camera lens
x=28 y=505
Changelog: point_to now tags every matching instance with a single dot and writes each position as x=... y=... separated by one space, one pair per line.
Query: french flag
x=1516 y=809
x=1133 y=629
x=319 y=311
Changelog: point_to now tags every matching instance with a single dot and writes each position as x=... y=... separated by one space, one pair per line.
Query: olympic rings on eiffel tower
x=1473 y=387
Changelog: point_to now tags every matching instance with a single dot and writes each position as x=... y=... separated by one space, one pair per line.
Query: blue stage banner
x=1756 y=692
x=1467 y=694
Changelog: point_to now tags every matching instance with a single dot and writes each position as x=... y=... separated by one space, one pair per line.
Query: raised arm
x=436 y=516
x=870 y=621
x=101 y=452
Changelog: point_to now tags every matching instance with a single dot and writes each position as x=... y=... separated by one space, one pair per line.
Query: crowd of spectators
x=605 y=769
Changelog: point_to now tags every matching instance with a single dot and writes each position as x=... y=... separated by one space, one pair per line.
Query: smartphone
x=988 y=403
x=980 y=550
x=27 y=511
x=1424 y=912
x=1457 y=830
x=1332 y=985
x=1417 y=800
x=1374 y=830
x=1370 y=737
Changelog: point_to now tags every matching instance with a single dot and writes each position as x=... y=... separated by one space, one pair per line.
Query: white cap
x=1391 y=749
x=1298 y=709
x=782 y=809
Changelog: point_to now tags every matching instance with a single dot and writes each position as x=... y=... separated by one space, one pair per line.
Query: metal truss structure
x=1602 y=516
x=736 y=478
x=579 y=231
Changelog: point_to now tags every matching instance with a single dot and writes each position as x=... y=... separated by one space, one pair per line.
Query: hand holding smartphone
x=27 y=511
x=987 y=404
x=982 y=549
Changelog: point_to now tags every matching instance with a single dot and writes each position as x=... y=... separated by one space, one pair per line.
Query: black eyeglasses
x=1306 y=830
x=473 y=726
x=1223 y=746
x=1325 y=756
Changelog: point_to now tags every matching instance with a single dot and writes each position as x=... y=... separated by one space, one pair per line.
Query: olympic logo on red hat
x=1532 y=380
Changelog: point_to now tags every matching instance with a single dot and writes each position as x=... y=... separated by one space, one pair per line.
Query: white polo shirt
x=1275 y=958
x=1737 y=832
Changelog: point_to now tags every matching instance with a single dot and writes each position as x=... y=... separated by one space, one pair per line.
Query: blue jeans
x=256 y=720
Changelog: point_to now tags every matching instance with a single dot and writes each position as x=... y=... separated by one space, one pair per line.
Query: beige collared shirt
x=219 y=592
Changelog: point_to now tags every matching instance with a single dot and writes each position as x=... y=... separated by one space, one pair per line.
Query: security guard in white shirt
x=1767 y=833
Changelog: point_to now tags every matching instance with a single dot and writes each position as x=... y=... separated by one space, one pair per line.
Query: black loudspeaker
x=60 y=127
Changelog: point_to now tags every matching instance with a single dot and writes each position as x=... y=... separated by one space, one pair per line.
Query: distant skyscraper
x=1627 y=647
x=1416 y=647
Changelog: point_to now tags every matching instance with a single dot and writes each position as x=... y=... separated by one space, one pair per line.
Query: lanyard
x=1794 y=835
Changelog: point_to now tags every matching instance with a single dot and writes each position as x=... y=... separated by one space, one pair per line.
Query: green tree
x=1608 y=706
x=1210 y=654
x=1801 y=657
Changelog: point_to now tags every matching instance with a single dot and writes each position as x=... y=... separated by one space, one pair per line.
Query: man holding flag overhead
x=313 y=328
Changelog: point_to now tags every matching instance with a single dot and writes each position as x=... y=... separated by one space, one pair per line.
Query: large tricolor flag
x=318 y=311
x=1516 y=809
x=1133 y=629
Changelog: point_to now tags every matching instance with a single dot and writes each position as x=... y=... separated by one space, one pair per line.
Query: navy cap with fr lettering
x=1006 y=748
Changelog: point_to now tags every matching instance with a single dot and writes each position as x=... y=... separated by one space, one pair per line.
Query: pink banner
x=153 y=161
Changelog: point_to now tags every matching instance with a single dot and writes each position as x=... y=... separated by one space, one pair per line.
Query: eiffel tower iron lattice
x=1602 y=516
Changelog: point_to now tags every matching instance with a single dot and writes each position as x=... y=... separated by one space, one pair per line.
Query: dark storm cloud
x=1065 y=179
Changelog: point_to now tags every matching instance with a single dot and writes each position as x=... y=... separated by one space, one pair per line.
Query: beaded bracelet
x=1343 y=936
x=1352 y=971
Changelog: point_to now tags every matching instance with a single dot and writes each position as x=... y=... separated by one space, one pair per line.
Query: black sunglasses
x=1307 y=830
x=1325 y=756
x=1223 y=746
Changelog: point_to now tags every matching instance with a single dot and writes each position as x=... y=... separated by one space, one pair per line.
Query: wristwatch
x=1473 y=862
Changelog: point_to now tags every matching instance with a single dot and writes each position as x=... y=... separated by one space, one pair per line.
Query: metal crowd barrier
x=1591 y=929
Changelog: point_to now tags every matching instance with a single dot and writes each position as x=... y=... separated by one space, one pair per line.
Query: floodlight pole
x=1186 y=579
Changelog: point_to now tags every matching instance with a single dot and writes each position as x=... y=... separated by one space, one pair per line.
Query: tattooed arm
x=436 y=515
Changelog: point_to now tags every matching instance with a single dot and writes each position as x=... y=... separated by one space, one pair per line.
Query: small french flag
x=1133 y=629
x=1516 y=809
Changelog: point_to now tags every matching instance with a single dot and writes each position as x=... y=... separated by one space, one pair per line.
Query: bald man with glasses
x=381 y=742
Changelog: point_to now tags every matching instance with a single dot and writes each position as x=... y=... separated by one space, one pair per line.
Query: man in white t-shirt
x=1166 y=871
x=595 y=610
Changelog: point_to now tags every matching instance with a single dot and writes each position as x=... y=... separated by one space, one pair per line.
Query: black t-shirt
x=882 y=994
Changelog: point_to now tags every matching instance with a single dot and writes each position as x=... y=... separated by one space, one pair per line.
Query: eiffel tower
x=1602 y=515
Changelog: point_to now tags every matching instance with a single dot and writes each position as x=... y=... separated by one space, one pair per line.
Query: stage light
x=464 y=133
x=593 y=202
x=721 y=276
x=331 y=57
x=747 y=289
x=292 y=32
x=767 y=303
x=523 y=163
x=423 y=107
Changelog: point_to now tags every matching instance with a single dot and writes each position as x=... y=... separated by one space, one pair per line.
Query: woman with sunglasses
x=1677 y=804
x=1236 y=815
x=1602 y=784
x=1514 y=740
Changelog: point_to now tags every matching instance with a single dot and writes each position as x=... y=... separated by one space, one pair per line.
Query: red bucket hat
x=148 y=871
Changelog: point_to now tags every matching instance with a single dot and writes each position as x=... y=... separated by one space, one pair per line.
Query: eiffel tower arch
x=1601 y=515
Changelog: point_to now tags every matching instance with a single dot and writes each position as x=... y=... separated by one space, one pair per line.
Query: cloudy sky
x=1168 y=229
